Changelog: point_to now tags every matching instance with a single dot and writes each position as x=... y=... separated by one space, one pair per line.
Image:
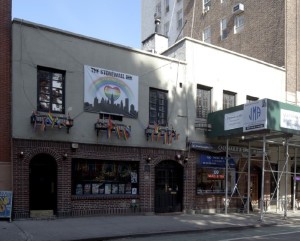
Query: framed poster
x=5 y=204
x=110 y=91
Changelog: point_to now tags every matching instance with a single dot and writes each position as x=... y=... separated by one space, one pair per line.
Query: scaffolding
x=273 y=133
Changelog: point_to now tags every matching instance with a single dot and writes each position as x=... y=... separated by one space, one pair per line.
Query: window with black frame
x=203 y=101
x=50 y=94
x=158 y=107
x=94 y=177
x=210 y=174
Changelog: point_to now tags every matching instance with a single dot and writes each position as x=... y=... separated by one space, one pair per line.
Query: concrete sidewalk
x=109 y=227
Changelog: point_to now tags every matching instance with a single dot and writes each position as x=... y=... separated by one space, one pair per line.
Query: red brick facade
x=72 y=205
x=5 y=94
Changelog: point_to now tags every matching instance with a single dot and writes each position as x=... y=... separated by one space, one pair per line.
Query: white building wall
x=222 y=70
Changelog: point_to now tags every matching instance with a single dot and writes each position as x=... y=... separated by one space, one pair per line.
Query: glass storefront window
x=94 y=177
x=212 y=180
x=210 y=176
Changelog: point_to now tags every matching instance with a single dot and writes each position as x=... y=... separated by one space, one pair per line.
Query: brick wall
x=5 y=93
x=71 y=205
x=263 y=33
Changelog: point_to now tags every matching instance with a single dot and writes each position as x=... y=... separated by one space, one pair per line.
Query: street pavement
x=110 y=227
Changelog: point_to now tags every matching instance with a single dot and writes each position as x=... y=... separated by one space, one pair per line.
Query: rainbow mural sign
x=110 y=91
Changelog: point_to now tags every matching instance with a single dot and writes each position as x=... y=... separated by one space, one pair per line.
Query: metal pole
x=294 y=187
x=263 y=181
x=226 y=177
x=277 y=182
x=249 y=179
x=286 y=176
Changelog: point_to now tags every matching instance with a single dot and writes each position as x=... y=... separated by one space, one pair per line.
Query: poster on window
x=110 y=91
x=5 y=204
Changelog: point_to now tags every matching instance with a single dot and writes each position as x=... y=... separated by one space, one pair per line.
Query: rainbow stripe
x=102 y=82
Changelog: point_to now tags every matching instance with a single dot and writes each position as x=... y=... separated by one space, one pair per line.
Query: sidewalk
x=108 y=227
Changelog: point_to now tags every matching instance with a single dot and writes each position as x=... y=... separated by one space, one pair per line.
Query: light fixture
x=21 y=154
x=185 y=160
x=178 y=156
x=148 y=159
x=65 y=156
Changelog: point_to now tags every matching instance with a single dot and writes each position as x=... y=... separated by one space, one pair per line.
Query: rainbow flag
x=49 y=119
x=118 y=132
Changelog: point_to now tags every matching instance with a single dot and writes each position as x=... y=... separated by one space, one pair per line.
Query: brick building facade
x=256 y=28
x=5 y=95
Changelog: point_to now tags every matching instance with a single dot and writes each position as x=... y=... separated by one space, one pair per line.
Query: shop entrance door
x=43 y=183
x=168 y=187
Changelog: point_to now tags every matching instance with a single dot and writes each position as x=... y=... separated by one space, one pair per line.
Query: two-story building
x=99 y=128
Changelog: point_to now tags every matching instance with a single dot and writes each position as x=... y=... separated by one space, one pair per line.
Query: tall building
x=5 y=95
x=251 y=27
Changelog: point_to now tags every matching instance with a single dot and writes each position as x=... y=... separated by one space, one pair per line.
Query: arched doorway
x=43 y=183
x=168 y=187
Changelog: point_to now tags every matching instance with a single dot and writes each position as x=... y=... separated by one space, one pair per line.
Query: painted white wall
x=35 y=45
x=221 y=70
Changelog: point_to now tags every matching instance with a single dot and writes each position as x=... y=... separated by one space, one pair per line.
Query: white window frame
x=223 y=28
x=206 y=35
x=239 y=23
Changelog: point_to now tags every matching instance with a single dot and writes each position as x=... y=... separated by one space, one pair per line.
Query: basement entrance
x=43 y=185
x=168 y=187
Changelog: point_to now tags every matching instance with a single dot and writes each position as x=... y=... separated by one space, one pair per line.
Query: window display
x=210 y=176
x=93 y=177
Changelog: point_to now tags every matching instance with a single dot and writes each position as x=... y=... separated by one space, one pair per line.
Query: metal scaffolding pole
x=226 y=177
x=294 y=183
x=249 y=179
x=286 y=176
x=263 y=181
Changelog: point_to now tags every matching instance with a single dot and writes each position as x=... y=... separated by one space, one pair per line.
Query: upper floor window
x=158 y=10
x=239 y=22
x=229 y=99
x=250 y=99
x=206 y=3
x=166 y=28
x=206 y=35
x=203 y=101
x=167 y=6
x=158 y=107
x=51 y=84
x=223 y=28
x=179 y=19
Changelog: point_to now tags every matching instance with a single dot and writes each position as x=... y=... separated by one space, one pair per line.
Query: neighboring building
x=254 y=28
x=5 y=96
x=100 y=128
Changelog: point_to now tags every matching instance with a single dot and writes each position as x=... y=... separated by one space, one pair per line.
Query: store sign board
x=255 y=116
x=215 y=161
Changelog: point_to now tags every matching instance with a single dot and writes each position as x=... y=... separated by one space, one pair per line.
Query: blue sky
x=117 y=21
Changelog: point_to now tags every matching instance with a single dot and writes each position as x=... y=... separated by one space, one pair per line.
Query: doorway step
x=42 y=214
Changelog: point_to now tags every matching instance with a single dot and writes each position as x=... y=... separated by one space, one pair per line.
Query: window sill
x=104 y=196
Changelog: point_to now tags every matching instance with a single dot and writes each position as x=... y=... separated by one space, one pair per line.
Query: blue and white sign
x=255 y=115
x=215 y=161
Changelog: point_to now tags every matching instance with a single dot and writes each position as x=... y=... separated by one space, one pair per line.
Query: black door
x=43 y=183
x=168 y=187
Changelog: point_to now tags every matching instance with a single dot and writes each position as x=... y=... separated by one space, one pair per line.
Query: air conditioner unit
x=239 y=8
x=206 y=9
